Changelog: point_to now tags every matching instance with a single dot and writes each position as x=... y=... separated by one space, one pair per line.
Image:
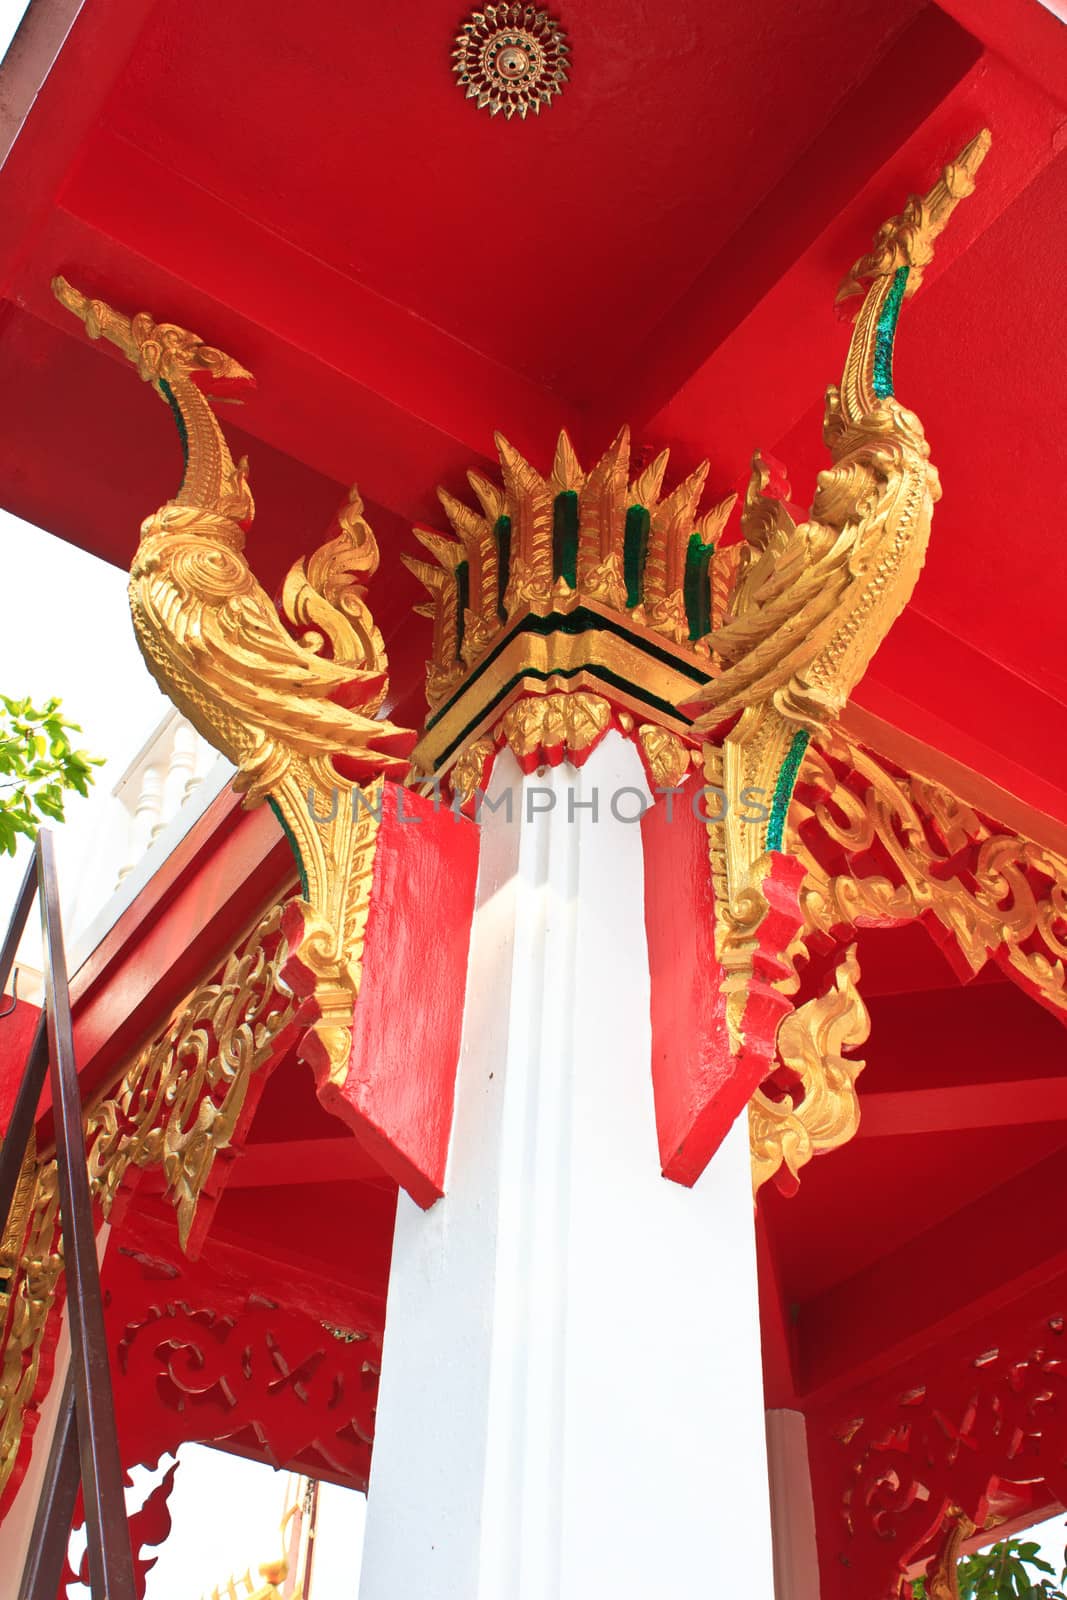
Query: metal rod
x=27 y=890
x=55 y=1509
x=111 y=1569
x=23 y=1115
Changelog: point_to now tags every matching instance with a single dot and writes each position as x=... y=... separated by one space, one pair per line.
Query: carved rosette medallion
x=511 y=59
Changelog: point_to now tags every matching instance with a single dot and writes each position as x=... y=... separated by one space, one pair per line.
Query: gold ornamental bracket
x=290 y=699
x=882 y=847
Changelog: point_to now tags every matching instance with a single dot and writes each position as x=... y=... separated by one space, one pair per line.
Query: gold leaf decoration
x=823 y=1111
x=293 y=707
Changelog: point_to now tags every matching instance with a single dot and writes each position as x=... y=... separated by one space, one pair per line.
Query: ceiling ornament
x=511 y=59
x=292 y=701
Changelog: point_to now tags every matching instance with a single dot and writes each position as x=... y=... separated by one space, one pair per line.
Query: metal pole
x=55 y=1509
x=110 y=1558
x=23 y=1115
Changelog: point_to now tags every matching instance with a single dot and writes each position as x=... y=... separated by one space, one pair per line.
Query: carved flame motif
x=294 y=710
x=787 y=1132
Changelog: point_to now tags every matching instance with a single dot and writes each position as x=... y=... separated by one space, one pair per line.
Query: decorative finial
x=511 y=58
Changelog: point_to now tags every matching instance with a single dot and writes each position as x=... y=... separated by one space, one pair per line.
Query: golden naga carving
x=824 y=1114
x=293 y=707
x=812 y=601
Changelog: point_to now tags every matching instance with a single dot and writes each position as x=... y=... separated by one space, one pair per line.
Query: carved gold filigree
x=469 y=772
x=511 y=58
x=996 y=893
x=812 y=601
x=942 y=1580
x=573 y=723
x=666 y=756
x=177 y=1106
x=822 y=1111
x=180 y=1101
x=36 y=1265
x=295 y=711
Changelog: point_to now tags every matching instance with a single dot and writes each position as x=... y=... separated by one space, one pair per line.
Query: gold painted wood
x=175 y=1107
x=281 y=699
x=812 y=601
x=823 y=1111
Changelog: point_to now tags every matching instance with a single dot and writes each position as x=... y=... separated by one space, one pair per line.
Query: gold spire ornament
x=292 y=703
x=591 y=583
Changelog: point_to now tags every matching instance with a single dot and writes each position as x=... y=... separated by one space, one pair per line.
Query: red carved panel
x=981 y=1427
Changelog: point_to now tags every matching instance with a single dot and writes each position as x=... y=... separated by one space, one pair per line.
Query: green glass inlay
x=294 y=847
x=565 y=537
x=502 y=535
x=884 y=334
x=463 y=600
x=168 y=394
x=634 y=552
x=696 y=586
x=783 y=788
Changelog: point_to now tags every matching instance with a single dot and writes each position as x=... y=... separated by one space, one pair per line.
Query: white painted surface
x=571 y=1400
x=796 y=1557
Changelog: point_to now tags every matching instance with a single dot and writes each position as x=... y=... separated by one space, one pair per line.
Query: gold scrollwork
x=176 y=1107
x=179 y=1103
x=996 y=892
x=822 y=1112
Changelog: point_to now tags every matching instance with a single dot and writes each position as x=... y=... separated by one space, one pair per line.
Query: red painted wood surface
x=701 y=1080
x=399 y=1092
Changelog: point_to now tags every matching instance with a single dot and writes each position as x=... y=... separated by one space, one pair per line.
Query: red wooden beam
x=1012 y=1103
x=347 y=381
x=721 y=406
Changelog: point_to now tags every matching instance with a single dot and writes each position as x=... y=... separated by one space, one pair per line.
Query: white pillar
x=796 y=1556
x=571 y=1399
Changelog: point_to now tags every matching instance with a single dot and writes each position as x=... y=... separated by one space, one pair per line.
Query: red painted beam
x=934 y=1286
x=348 y=382
x=1025 y=33
x=295 y=1161
x=761 y=371
x=209 y=892
x=71 y=95
x=980 y=1105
